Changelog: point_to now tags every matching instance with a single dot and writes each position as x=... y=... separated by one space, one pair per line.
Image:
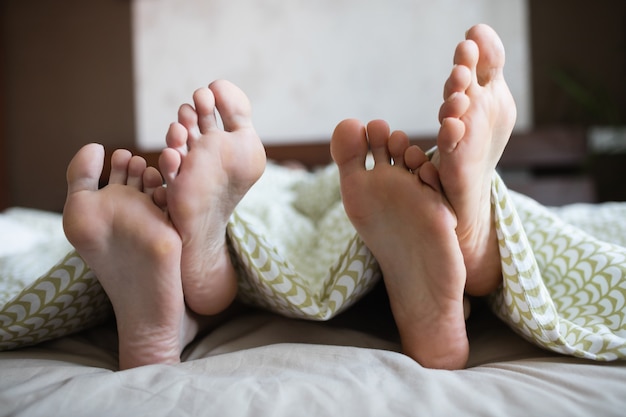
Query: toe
x=414 y=157
x=378 y=138
x=188 y=118
x=491 y=56
x=84 y=170
x=176 y=137
x=152 y=180
x=233 y=105
x=159 y=196
x=459 y=80
x=119 y=166
x=169 y=164
x=205 y=109
x=136 y=167
x=466 y=54
x=429 y=175
x=398 y=144
x=455 y=106
x=450 y=134
x=348 y=147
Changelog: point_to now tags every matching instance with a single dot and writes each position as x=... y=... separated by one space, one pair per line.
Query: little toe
x=84 y=170
x=378 y=138
x=119 y=166
x=429 y=175
x=152 y=180
x=232 y=104
x=348 y=147
x=159 y=197
x=414 y=157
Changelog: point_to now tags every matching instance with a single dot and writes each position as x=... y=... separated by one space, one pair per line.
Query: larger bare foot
x=208 y=170
x=477 y=119
x=133 y=249
x=405 y=221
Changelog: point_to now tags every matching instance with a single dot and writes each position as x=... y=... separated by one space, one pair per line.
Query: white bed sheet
x=260 y=364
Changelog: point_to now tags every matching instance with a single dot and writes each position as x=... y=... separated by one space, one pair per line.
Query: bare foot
x=406 y=222
x=134 y=251
x=207 y=171
x=477 y=119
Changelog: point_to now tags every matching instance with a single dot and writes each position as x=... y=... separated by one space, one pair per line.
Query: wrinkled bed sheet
x=258 y=363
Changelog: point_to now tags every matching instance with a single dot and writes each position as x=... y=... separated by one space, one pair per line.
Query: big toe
x=349 y=146
x=84 y=170
x=491 y=55
x=233 y=105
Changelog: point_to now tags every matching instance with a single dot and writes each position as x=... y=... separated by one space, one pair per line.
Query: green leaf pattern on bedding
x=563 y=288
x=272 y=282
x=66 y=299
x=298 y=255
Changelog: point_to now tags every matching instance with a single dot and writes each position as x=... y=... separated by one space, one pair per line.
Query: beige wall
x=67 y=78
x=307 y=64
x=68 y=81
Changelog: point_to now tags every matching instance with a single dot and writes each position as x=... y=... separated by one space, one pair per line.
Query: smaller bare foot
x=134 y=251
x=477 y=119
x=405 y=221
x=208 y=170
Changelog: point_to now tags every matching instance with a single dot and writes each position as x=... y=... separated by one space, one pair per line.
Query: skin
x=208 y=170
x=164 y=264
x=477 y=118
x=134 y=250
x=430 y=225
x=404 y=219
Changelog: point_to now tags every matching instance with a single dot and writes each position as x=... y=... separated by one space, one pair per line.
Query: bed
x=259 y=361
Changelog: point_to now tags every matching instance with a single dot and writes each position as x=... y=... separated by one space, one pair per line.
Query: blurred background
x=115 y=72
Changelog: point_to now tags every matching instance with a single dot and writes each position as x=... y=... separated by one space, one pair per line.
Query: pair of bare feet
x=161 y=253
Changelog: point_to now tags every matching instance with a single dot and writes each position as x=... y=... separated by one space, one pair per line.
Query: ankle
x=484 y=269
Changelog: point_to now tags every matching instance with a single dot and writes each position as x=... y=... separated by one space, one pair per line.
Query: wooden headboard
x=549 y=165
